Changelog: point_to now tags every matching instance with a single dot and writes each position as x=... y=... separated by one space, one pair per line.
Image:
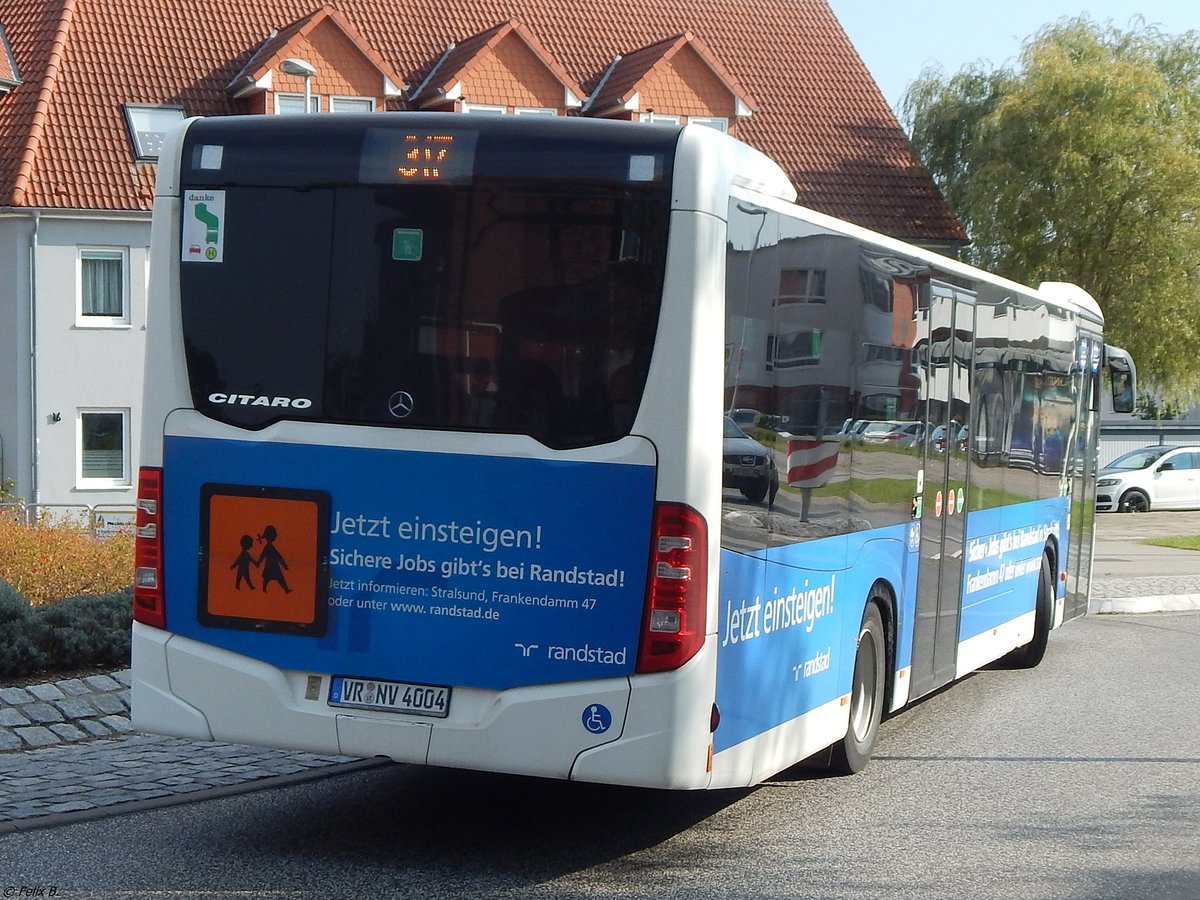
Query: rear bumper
x=190 y=689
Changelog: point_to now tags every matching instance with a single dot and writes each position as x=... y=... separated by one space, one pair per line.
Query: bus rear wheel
x=1028 y=656
x=853 y=752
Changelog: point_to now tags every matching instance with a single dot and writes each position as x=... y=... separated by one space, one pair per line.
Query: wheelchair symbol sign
x=597 y=719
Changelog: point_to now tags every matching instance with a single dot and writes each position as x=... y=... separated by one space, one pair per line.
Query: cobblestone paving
x=76 y=777
x=64 y=712
x=1146 y=586
x=67 y=748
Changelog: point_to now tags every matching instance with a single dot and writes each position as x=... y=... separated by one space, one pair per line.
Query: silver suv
x=748 y=466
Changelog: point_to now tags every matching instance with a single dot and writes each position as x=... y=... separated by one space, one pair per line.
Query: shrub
x=20 y=647
x=86 y=631
x=13 y=606
x=76 y=633
x=49 y=562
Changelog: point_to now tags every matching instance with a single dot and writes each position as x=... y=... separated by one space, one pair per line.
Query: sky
x=897 y=39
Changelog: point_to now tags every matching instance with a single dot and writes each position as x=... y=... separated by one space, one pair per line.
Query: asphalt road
x=1079 y=780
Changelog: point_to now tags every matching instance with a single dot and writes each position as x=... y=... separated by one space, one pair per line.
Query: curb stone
x=1169 y=603
x=1147 y=594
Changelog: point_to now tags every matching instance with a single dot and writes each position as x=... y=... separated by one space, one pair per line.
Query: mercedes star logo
x=400 y=404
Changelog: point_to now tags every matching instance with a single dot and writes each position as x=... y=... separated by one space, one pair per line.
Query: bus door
x=1079 y=469
x=946 y=389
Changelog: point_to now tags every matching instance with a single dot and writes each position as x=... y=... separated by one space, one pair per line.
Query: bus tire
x=853 y=752
x=1028 y=656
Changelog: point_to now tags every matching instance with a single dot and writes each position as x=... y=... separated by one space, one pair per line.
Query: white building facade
x=74 y=313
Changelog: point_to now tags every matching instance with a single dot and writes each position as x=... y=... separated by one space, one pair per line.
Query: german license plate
x=390 y=696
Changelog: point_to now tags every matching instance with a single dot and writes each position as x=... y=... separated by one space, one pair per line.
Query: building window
x=797 y=348
x=883 y=353
x=293 y=104
x=483 y=109
x=801 y=286
x=103 y=441
x=148 y=127
x=103 y=288
x=920 y=359
x=659 y=118
x=877 y=289
x=351 y=104
x=720 y=123
x=535 y=111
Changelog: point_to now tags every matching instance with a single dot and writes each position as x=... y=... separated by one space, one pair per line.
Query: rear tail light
x=677 y=590
x=147 y=554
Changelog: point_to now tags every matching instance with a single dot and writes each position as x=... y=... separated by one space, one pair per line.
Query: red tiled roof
x=628 y=73
x=64 y=143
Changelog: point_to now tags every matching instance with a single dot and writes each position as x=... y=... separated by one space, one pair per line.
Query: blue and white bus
x=518 y=446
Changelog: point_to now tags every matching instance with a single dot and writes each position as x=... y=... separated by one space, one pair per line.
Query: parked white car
x=1150 y=478
x=878 y=432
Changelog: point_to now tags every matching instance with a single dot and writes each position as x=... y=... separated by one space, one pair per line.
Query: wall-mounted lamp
x=294 y=66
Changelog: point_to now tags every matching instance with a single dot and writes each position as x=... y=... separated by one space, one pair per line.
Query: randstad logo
x=254 y=400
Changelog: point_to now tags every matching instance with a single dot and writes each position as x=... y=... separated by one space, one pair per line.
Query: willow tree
x=1082 y=163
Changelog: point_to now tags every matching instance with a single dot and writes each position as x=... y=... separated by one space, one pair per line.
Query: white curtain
x=102 y=279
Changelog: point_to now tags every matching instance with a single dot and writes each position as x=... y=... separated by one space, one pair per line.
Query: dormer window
x=502 y=70
x=352 y=104
x=675 y=81
x=293 y=104
x=148 y=127
x=483 y=109
x=322 y=56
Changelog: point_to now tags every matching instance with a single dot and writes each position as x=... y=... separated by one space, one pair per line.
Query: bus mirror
x=1123 y=376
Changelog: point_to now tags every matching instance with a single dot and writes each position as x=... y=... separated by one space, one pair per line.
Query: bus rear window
x=519 y=306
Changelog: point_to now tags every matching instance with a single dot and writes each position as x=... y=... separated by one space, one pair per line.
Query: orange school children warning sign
x=263 y=558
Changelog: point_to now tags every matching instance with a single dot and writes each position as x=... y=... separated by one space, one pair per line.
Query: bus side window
x=788 y=379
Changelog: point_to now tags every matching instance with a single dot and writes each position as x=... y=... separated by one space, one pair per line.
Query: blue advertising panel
x=434 y=568
x=788 y=629
x=1002 y=561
